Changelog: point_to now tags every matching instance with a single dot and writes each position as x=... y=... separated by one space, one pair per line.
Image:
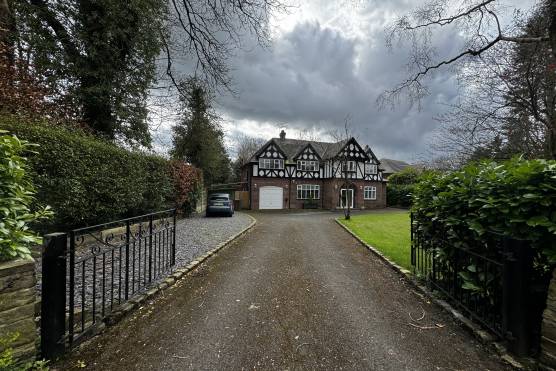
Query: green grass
x=385 y=231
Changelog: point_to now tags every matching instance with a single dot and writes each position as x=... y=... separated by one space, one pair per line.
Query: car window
x=219 y=198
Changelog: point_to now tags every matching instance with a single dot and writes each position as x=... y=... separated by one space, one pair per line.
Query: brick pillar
x=17 y=307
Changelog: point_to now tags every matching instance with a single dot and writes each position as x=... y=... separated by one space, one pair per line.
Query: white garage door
x=270 y=197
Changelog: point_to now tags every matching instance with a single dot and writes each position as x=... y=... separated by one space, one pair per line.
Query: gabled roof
x=392 y=166
x=291 y=147
x=371 y=154
x=308 y=145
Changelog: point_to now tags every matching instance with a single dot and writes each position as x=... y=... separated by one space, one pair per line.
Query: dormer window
x=304 y=165
x=370 y=169
x=271 y=163
x=348 y=166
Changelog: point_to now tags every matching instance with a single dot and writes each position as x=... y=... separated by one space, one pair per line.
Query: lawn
x=385 y=231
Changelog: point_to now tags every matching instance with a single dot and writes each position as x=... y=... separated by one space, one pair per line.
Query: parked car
x=220 y=203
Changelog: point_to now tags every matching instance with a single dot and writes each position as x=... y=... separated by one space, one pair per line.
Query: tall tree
x=198 y=137
x=478 y=22
x=100 y=54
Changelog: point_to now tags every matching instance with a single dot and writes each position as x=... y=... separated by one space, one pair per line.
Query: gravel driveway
x=197 y=235
x=296 y=293
x=194 y=237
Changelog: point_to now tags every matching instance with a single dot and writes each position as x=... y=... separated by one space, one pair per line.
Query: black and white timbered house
x=291 y=173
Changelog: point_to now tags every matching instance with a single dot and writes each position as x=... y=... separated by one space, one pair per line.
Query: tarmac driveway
x=295 y=293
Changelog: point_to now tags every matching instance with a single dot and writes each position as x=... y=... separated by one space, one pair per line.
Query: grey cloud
x=314 y=77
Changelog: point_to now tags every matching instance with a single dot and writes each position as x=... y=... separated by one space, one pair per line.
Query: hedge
x=514 y=199
x=400 y=187
x=480 y=206
x=87 y=180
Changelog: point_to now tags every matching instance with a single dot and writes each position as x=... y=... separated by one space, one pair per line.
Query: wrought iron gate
x=91 y=271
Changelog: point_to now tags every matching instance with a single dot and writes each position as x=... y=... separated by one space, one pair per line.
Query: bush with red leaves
x=188 y=185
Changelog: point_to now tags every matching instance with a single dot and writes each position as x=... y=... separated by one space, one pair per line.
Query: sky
x=328 y=61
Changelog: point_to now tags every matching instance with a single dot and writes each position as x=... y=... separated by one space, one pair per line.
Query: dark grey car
x=220 y=203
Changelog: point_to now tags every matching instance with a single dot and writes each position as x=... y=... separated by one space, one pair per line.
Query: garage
x=270 y=198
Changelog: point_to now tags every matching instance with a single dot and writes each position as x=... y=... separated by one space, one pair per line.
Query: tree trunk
x=7 y=28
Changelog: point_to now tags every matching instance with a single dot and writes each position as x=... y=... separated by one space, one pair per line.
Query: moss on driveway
x=386 y=231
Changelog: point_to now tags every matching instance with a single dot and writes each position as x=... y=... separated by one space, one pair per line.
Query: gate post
x=515 y=295
x=174 y=238
x=53 y=302
x=150 y=247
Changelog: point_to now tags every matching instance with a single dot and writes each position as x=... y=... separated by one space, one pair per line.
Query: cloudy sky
x=328 y=60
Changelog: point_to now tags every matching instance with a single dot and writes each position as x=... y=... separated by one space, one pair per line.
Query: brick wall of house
x=330 y=189
x=298 y=204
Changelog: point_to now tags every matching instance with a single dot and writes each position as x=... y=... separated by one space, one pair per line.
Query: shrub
x=480 y=206
x=188 y=185
x=399 y=194
x=16 y=196
x=87 y=180
x=400 y=186
x=514 y=199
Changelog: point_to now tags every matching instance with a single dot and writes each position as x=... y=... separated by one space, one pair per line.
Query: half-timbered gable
x=292 y=173
x=372 y=170
x=270 y=161
x=349 y=161
x=307 y=163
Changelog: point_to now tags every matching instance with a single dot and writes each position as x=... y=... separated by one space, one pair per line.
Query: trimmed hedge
x=87 y=180
x=480 y=206
x=514 y=199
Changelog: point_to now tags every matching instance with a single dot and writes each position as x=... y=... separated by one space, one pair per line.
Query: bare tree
x=507 y=98
x=479 y=23
x=207 y=32
x=244 y=146
x=340 y=164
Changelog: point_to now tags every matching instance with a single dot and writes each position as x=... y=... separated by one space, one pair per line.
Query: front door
x=346 y=198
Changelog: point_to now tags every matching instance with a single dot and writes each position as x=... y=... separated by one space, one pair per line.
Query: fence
x=493 y=290
x=91 y=271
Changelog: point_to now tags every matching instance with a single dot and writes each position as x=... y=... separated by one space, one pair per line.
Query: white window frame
x=369 y=193
x=307 y=165
x=304 y=191
x=351 y=167
x=370 y=168
x=271 y=163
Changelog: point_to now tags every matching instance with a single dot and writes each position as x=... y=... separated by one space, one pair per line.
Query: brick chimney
x=282 y=135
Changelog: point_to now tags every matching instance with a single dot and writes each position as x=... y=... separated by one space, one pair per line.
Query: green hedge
x=399 y=194
x=514 y=199
x=480 y=206
x=400 y=187
x=87 y=180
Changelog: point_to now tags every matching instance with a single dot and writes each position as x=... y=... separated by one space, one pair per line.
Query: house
x=390 y=167
x=294 y=174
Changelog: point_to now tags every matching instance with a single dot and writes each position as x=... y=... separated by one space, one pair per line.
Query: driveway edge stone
x=484 y=336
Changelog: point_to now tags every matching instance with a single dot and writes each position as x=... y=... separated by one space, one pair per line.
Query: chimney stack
x=282 y=135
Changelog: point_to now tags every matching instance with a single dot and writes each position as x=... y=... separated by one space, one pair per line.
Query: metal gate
x=91 y=271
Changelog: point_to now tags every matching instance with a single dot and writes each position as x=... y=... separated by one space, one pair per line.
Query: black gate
x=91 y=271
x=497 y=295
